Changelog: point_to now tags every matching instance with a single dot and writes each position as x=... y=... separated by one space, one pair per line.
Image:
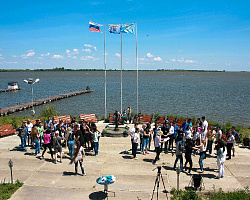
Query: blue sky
x=205 y=35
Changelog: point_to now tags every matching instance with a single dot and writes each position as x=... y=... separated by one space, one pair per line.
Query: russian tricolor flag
x=94 y=27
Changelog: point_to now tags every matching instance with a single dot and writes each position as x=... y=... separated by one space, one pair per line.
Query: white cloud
x=29 y=54
x=14 y=56
x=75 y=51
x=182 y=60
x=90 y=46
x=47 y=54
x=88 y=58
x=68 y=52
x=117 y=55
x=1 y=58
x=190 y=61
x=57 y=57
x=142 y=59
x=74 y=57
x=87 y=50
x=149 y=55
x=10 y=62
x=157 y=59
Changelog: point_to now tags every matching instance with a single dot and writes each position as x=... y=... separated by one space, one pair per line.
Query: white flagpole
x=105 y=73
x=121 y=72
x=137 y=65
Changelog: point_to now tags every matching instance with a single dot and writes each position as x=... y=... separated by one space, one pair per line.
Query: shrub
x=237 y=194
x=48 y=111
x=7 y=189
x=184 y=195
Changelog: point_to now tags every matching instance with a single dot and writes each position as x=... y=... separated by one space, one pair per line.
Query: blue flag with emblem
x=115 y=28
x=128 y=28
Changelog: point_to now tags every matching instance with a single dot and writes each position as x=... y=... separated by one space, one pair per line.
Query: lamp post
x=31 y=82
x=178 y=183
x=11 y=165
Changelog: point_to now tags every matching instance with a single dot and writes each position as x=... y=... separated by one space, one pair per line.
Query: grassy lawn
x=7 y=189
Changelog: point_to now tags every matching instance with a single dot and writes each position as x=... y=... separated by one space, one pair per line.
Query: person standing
x=221 y=158
x=78 y=156
x=202 y=148
x=210 y=140
x=40 y=131
x=157 y=141
x=70 y=137
x=129 y=115
x=204 y=124
x=142 y=130
x=58 y=146
x=236 y=137
x=135 y=140
x=230 y=141
x=23 y=135
x=95 y=134
x=179 y=147
x=188 y=156
x=171 y=137
x=35 y=136
x=29 y=126
x=146 y=136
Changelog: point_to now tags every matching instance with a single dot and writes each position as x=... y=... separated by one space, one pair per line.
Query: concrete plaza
x=135 y=178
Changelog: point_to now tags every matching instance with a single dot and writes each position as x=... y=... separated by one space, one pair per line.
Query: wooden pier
x=21 y=107
x=9 y=90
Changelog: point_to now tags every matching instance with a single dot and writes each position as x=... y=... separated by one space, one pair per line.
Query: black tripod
x=157 y=182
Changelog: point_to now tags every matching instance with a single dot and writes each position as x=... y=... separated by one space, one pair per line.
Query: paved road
x=135 y=178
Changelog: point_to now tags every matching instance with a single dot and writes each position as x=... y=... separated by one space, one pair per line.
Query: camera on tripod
x=157 y=183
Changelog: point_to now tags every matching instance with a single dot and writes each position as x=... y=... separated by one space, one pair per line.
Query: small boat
x=12 y=86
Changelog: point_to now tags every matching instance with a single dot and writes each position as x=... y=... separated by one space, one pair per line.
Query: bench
x=88 y=117
x=7 y=130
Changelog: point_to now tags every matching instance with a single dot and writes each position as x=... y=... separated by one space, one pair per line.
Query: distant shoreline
x=63 y=69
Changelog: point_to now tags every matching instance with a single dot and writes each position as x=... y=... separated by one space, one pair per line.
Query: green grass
x=213 y=195
x=237 y=194
x=7 y=189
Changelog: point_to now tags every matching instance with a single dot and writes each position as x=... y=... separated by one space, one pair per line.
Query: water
x=220 y=96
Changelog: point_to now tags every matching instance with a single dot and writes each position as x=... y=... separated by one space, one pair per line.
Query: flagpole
x=121 y=72
x=105 y=73
x=136 y=65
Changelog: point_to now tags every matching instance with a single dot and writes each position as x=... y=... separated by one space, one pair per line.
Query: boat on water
x=12 y=86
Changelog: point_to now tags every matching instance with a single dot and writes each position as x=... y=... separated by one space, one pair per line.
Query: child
x=179 y=148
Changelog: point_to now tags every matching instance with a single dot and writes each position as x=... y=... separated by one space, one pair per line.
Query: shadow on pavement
x=124 y=152
x=127 y=157
x=98 y=195
x=68 y=173
x=148 y=160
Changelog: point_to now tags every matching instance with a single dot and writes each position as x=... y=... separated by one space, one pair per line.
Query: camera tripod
x=157 y=183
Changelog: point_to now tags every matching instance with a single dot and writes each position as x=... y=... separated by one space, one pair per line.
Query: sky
x=172 y=34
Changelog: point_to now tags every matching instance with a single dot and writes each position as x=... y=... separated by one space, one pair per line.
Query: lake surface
x=220 y=96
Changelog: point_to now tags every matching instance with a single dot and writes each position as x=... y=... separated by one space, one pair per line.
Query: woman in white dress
x=221 y=157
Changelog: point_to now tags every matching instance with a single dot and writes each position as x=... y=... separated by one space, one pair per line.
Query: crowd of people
x=190 y=138
x=55 y=136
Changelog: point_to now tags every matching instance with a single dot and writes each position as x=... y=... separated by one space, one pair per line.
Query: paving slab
x=135 y=178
